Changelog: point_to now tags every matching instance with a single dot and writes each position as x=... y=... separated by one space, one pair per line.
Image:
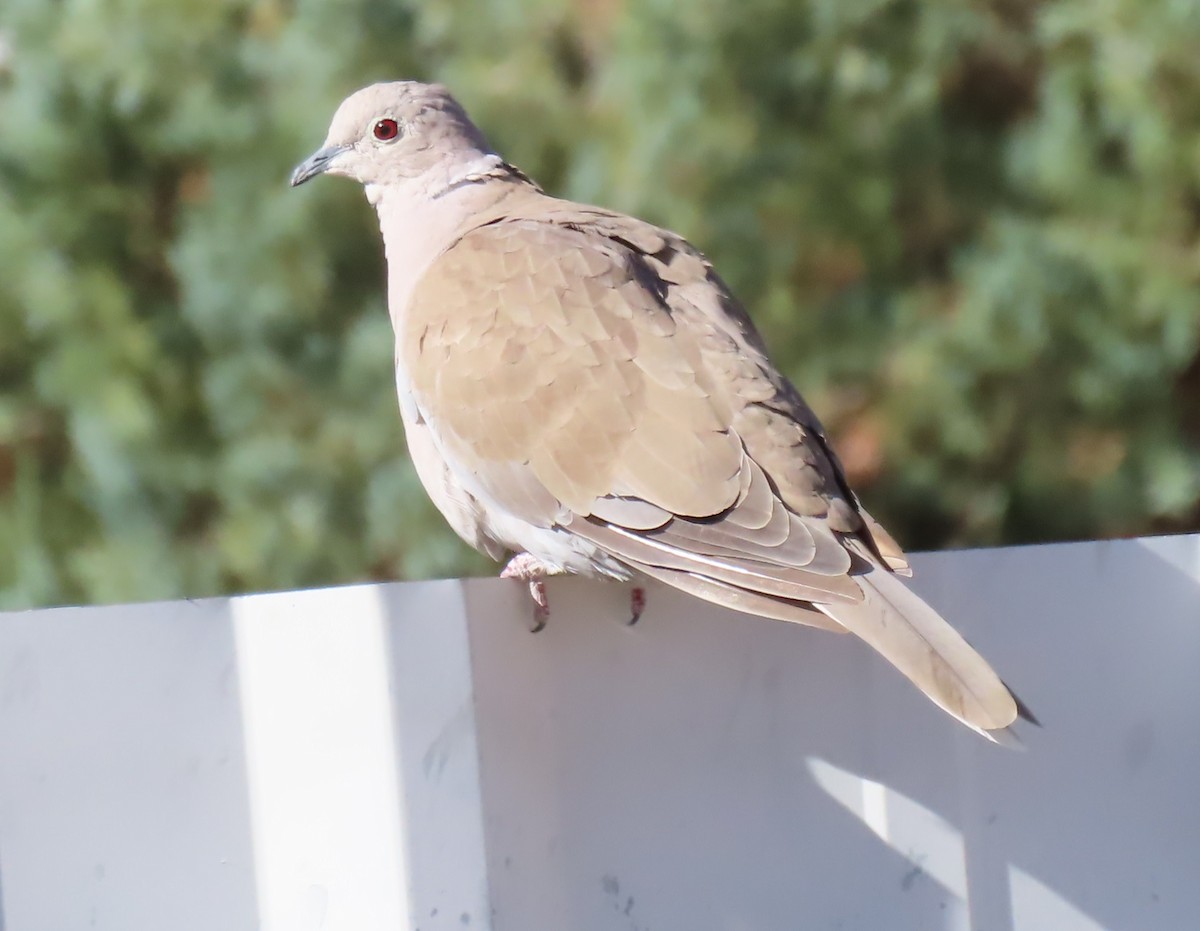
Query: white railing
x=410 y=756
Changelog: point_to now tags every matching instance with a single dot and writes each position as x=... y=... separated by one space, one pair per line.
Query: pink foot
x=527 y=568
x=637 y=604
x=541 y=605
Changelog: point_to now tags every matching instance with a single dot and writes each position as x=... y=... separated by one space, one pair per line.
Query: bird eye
x=386 y=130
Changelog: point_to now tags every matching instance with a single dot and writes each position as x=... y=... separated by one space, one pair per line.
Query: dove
x=580 y=389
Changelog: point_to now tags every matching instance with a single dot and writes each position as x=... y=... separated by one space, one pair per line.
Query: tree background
x=970 y=232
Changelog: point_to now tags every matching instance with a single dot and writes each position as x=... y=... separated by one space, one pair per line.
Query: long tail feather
x=924 y=647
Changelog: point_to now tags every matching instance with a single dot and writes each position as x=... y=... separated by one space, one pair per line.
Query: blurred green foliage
x=970 y=231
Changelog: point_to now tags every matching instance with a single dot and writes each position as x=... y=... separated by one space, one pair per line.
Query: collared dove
x=578 y=387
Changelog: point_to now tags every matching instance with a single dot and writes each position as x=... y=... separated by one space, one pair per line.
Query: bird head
x=397 y=133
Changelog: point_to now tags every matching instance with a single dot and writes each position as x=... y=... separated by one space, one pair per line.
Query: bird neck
x=486 y=167
x=420 y=221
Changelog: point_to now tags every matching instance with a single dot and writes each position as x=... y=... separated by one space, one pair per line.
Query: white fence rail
x=411 y=757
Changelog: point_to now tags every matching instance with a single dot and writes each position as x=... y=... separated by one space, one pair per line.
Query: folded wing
x=592 y=374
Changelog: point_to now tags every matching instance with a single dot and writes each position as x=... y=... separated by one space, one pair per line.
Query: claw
x=541 y=605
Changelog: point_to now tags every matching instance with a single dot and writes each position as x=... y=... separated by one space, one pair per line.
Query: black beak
x=316 y=163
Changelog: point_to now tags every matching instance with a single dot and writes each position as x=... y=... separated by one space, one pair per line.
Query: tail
x=924 y=647
x=911 y=635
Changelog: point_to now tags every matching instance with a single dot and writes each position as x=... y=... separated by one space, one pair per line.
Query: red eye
x=386 y=130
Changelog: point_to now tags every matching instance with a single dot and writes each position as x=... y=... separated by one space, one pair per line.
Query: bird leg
x=637 y=604
x=528 y=568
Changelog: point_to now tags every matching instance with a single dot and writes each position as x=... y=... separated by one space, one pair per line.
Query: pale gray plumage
x=580 y=386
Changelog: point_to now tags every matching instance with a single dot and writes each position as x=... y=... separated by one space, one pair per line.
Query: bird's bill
x=317 y=163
